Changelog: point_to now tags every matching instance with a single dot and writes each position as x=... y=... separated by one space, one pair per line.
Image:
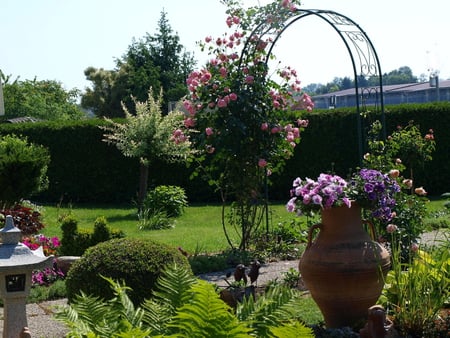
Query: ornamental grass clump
x=371 y=189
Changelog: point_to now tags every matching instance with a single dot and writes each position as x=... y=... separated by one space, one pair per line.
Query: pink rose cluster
x=210 y=90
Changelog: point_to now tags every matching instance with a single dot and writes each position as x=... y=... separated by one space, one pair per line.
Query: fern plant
x=277 y=307
x=90 y=316
x=184 y=306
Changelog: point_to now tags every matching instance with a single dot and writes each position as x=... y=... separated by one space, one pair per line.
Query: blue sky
x=59 y=39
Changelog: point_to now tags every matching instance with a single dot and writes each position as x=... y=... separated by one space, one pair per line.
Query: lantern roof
x=16 y=256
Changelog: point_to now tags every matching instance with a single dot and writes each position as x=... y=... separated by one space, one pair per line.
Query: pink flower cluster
x=49 y=244
x=234 y=81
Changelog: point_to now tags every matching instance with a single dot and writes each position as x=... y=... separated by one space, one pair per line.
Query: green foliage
x=278 y=305
x=136 y=262
x=90 y=316
x=401 y=75
x=75 y=242
x=154 y=220
x=281 y=241
x=166 y=198
x=147 y=135
x=205 y=315
x=157 y=61
x=160 y=205
x=46 y=100
x=404 y=148
x=23 y=168
x=416 y=291
x=56 y=290
x=183 y=306
x=291 y=277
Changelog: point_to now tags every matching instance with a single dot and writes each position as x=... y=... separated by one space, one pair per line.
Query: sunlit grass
x=199 y=229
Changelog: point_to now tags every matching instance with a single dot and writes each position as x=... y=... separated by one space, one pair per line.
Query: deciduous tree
x=44 y=99
x=147 y=135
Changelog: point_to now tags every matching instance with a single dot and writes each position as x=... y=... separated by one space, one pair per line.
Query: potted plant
x=343 y=267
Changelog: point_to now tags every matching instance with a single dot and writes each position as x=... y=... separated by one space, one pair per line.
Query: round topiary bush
x=136 y=262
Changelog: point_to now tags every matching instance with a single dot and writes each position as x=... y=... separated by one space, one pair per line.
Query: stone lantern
x=17 y=262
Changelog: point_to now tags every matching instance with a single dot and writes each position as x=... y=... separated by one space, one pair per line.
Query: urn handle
x=310 y=233
x=372 y=229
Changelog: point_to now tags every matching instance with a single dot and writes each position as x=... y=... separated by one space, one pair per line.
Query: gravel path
x=267 y=272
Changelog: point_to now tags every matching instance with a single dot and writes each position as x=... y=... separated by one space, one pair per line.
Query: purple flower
x=317 y=199
x=370 y=188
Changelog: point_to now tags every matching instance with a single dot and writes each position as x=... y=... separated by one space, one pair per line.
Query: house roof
x=406 y=87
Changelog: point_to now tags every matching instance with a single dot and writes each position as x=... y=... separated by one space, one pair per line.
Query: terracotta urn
x=343 y=268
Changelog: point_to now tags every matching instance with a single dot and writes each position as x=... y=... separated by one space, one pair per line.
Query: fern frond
x=83 y=314
x=122 y=306
x=278 y=305
x=173 y=284
x=156 y=316
x=291 y=330
x=205 y=315
x=171 y=291
x=91 y=316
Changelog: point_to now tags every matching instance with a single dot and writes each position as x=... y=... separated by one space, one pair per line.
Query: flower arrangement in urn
x=371 y=189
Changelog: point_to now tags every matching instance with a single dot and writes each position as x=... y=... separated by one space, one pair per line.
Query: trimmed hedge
x=330 y=143
x=137 y=263
x=85 y=169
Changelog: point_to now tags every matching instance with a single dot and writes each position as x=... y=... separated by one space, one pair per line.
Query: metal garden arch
x=362 y=53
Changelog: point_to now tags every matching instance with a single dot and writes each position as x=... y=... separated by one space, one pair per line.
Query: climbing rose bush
x=234 y=108
x=243 y=119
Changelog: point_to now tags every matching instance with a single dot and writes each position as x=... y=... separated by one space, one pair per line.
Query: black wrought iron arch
x=364 y=59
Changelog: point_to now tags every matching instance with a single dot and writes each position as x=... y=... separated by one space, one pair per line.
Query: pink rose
x=262 y=163
x=420 y=191
x=264 y=126
x=394 y=173
x=290 y=137
x=221 y=103
x=408 y=183
x=209 y=131
x=391 y=228
x=249 y=79
x=189 y=122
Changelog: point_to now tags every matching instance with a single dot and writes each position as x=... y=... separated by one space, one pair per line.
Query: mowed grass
x=199 y=229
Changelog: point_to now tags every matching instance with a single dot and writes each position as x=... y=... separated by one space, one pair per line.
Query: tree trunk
x=143 y=184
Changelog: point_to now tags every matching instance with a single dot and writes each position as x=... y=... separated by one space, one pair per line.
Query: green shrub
x=154 y=220
x=56 y=290
x=136 y=262
x=166 y=198
x=415 y=292
x=23 y=169
x=74 y=241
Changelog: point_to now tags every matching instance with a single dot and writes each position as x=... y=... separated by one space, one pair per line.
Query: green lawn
x=198 y=229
